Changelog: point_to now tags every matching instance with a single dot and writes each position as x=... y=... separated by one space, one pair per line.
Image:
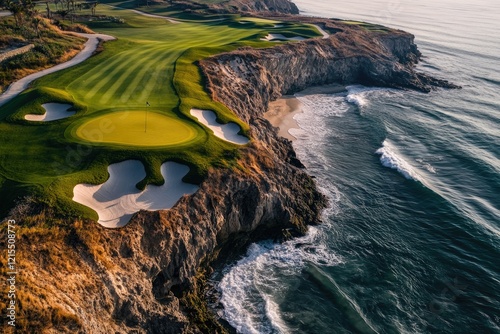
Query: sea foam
x=360 y=95
x=251 y=290
x=357 y=95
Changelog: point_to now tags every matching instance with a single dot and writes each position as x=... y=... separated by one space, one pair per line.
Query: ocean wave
x=324 y=104
x=357 y=95
x=360 y=95
x=389 y=157
x=430 y=168
x=314 y=132
x=252 y=289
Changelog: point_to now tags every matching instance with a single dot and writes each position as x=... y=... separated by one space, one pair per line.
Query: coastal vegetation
x=50 y=48
x=150 y=68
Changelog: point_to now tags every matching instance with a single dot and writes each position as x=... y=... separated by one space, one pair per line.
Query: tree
x=63 y=13
x=48 y=9
x=20 y=9
x=92 y=8
x=35 y=23
x=17 y=11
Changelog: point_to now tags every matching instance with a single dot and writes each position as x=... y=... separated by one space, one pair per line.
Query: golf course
x=132 y=100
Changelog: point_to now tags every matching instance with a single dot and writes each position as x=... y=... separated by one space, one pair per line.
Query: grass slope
x=152 y=61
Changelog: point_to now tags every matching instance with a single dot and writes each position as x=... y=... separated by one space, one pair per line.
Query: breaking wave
x=389 y=157
x=251 y=290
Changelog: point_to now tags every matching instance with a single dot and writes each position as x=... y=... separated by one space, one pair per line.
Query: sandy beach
x=282 y=111
x=280 y=114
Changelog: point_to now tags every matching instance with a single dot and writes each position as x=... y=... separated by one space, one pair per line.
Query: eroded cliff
x=247 y=79
x=279 y=6
x=78 y=276
x=237 y=6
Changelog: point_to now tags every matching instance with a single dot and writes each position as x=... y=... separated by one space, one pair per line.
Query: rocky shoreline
x=148 y=276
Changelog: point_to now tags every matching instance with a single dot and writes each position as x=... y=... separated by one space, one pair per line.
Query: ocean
x=410 y=241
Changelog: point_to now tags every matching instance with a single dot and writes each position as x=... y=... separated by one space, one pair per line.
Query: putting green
x=135 y=128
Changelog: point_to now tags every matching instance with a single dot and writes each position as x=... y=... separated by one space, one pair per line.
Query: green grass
x=258 y=20
x=151 y=61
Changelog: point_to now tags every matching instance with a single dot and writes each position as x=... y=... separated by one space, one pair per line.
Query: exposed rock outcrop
x=238 y=6
x=126 y=280
x=350 y=55
x=276 y=6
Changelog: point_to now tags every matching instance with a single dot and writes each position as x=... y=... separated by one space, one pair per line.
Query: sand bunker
x=322 y=31
x=280 y=37
x=228 y=132
x=116 y=200
x=53 y=111
x=152 y=15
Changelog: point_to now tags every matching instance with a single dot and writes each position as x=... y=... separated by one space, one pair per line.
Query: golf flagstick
x=146 y=118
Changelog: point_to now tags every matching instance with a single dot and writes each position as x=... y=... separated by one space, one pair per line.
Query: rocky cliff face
x=238 y=6
x=84 y=278
x=80 y=277
x=350 y=55
x=272 y=6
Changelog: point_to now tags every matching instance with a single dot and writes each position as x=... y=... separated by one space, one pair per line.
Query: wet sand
x=282 y=111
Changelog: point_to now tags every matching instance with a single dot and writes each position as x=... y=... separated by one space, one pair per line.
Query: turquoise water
x=410 y=243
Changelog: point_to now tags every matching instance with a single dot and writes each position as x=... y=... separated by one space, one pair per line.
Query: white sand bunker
x=53 y=111
x=280 y=37
x=228 y=132
x=116 y=200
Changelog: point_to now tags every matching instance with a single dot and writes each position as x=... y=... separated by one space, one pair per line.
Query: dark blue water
x=410 y=243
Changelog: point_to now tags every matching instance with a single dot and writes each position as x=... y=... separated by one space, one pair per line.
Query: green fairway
x=137 y=128
x=152 y=62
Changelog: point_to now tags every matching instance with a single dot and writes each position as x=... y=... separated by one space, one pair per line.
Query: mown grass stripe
x=86 y=83
x=108 y=77
x=150 y=85
x=124 y=80
x=96 y=81
x=131 y=53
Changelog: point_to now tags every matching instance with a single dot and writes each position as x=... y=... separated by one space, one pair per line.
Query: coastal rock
x=237 y=6
x=272 y=6
x=134 y=279
x=351 y=55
